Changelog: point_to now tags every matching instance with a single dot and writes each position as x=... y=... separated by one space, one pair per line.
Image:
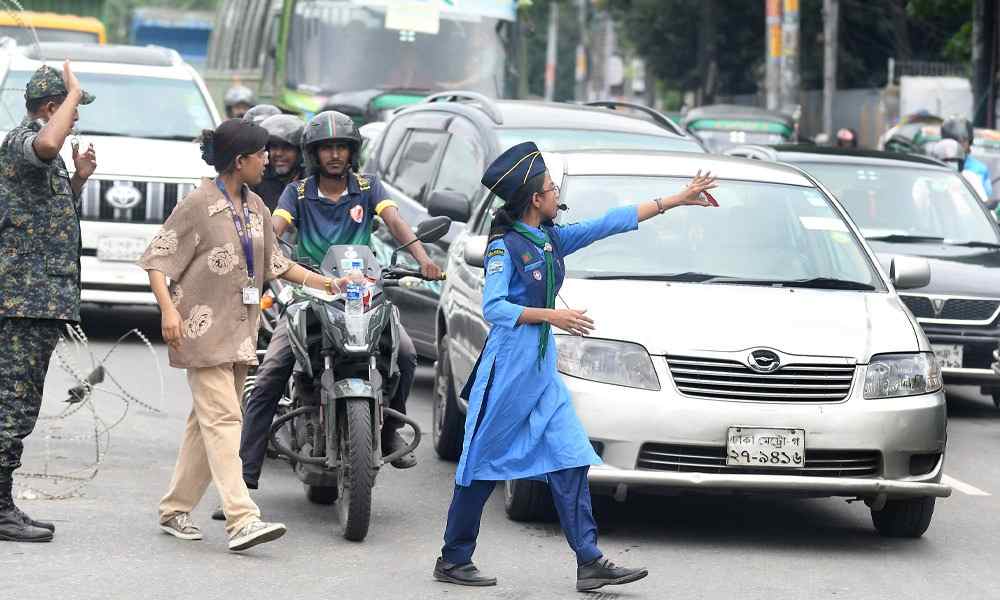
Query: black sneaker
x=466 y=574
x=393 y=442
x=602 y=572
x=14 y=529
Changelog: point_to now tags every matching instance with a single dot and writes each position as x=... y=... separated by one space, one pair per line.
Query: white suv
x=150 y=106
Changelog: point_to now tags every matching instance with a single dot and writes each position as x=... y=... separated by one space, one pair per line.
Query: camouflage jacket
x=39 y=232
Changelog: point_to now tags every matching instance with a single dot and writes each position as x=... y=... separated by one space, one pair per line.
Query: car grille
x=712 y=459
x=138 y=201
x=953 y=309
x=731 y=380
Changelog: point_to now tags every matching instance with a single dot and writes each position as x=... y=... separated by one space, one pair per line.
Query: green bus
x=362 y=57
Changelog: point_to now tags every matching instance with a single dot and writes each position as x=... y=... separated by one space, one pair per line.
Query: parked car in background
x=436 y=151
x=721 y=126
x=50 y=27
x=776 y=356
x=915 y=206
x=150 y=107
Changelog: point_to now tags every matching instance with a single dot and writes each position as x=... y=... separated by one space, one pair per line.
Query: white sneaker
x=255 y=533
x=182 y=527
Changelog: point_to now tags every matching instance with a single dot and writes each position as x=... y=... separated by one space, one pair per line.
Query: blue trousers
x=570 y=493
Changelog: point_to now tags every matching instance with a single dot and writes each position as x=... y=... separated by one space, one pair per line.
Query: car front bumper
x=978 y=344
x=103 y=282
x=898 y=431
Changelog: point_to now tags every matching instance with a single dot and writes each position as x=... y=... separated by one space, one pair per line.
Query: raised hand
x=692 y=194
x=69 y=79
x=85 y=163
x=572 y=321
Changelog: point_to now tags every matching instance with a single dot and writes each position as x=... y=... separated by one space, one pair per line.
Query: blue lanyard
x=245 y=240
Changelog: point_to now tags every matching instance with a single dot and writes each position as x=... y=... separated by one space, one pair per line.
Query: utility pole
x=550 y=52
x=790 y=56
x=984 y=62
x=772 y=32
x=582 y=68
x=831 y=18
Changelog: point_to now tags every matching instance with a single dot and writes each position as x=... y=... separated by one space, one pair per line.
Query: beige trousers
x=210 y=450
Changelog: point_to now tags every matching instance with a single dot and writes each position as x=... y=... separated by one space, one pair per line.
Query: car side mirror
x=475 y=250
x=450 y=204
x=909 y=272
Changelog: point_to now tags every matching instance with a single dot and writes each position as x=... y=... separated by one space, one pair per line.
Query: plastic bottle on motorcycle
x=355 y=307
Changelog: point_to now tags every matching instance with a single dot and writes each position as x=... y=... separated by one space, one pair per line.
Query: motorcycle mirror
x=428 y=231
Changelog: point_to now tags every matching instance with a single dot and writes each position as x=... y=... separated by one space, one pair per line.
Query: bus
x=362 y=57
x=50 y=27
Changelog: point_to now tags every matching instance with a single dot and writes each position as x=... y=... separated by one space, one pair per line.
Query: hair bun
x=208 y=147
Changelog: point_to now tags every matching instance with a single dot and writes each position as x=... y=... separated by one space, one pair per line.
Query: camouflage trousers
x=27 y=346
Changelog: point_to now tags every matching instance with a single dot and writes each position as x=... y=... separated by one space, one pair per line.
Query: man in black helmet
x=960 y=130
x=257 y=114
x=332 y=206
x=284 y=157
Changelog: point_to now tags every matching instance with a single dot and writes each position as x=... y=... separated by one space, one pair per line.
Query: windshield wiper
x=688 y=276
x=901 y=238
x=823 y=283
x=176 y=138
x=93 y=132
x=976 y=244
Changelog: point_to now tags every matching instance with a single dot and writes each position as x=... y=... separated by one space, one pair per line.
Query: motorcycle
x=345 y=349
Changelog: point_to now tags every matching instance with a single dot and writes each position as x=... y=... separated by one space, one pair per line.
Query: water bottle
x=355 y=311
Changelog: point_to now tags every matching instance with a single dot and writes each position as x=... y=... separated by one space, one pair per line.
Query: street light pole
x=790 y=56
x=772 y=82
x=550 y=52
x=831 y=17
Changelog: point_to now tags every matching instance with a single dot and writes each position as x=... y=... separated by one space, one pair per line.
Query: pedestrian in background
x=218 y=249
x=521 y=423
x=39 y=267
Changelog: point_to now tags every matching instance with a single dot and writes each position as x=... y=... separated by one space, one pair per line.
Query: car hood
x=678 y=318
x=127 y=157
x=955 y=271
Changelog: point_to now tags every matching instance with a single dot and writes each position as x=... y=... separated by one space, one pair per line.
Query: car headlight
x=895 y=375
x=606 y=361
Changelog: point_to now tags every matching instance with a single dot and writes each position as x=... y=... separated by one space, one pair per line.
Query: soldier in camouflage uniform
x=39 y=267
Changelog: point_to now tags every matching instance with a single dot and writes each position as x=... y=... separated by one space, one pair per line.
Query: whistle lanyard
x=241 y=230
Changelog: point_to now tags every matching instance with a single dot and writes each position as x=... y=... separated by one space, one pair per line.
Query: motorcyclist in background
x=284 y=157
x=238 y=100
x=960 y=130
x=258 y=113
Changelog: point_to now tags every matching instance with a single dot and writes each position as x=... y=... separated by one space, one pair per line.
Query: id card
x=251 y=295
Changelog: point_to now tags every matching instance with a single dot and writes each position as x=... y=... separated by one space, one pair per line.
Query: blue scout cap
x=512 y=169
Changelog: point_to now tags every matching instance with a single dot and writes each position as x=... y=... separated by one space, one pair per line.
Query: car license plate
x=765 y=447
x=949 y=355
x=116 y=249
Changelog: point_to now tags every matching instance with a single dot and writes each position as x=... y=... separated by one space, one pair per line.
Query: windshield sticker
x=823 y=224
x=496 y=266
x=865 y=175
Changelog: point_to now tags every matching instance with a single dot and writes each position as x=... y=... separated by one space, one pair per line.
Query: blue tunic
x=528 y=427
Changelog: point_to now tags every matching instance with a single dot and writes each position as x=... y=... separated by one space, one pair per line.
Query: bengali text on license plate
x=765 y=447
x=949 y=356
x=121 y=249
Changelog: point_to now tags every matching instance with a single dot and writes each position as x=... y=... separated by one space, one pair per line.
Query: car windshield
x=761 y=232
x=24 y=37
x=904 y=201
x=180 y=113
x=556 y=140
x=718 y=141
x=370 y=55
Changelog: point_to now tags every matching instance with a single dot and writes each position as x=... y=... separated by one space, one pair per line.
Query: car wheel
x=448 y=423
x=907 y=518
x=528 y=500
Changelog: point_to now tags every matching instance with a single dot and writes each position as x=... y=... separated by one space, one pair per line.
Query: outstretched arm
x=404 y=235
x=627 y=218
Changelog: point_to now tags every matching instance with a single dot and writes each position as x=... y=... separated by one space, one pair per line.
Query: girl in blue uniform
x=521 y=423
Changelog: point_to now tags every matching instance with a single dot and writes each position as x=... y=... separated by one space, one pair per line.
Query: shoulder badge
x=301 y=188
x=496 y=252
x=364 y=183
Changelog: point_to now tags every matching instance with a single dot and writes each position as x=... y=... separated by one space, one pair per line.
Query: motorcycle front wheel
x=357 y=476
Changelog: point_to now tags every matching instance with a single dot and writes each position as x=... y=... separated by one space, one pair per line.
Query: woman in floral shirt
x=218 y=250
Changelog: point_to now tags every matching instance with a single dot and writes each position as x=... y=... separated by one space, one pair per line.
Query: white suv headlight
x=894 y=375
x=606 y=361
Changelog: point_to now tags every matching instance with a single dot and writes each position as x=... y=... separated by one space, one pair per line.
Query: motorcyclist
x=333 y=205
x=284 y=157
x=960 y=130
x=950 y=151
x=258 y=113
x=238 y=100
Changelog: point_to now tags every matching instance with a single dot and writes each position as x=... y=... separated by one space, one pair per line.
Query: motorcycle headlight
x=895 y=375
x=606 y=361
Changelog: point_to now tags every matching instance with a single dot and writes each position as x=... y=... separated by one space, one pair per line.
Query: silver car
x=753 y=348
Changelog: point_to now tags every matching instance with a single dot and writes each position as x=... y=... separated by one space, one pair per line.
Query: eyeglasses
x=554 y=188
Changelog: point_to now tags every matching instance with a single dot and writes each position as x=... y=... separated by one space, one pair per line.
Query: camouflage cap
x=48 y=82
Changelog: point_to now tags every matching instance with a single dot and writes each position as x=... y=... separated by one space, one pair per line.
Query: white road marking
x=965 y=488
